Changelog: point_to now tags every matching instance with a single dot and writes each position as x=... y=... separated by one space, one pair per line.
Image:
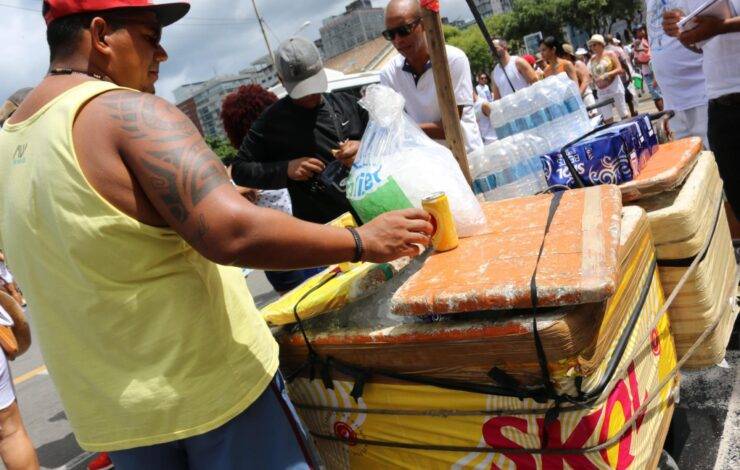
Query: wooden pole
x=443 y=81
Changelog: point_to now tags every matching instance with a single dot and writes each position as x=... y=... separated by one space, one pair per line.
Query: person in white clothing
x=582 y=72
x=483 y=88
x=719 y=41
x=16 y=448
x=410 y=74
x=680 y=75
x=606 y=71
x=483 y=116
x=512 y=73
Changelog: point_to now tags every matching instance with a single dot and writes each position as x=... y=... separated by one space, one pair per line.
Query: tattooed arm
x=189 y=187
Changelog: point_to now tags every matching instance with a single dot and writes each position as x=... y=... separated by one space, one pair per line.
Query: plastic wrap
x=398 y=165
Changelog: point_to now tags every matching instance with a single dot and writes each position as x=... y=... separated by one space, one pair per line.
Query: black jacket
x=285 y=132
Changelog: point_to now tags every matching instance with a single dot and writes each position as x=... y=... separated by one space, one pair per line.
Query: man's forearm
x=281 y=242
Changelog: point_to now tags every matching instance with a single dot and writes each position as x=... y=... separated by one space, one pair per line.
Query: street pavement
x=709 y=412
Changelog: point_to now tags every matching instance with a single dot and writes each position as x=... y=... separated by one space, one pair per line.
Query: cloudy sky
x=217 y=37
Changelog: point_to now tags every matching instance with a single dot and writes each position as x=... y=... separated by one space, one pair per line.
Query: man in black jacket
x=305 y=134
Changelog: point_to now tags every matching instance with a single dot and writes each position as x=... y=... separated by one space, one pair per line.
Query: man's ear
x=99 y=31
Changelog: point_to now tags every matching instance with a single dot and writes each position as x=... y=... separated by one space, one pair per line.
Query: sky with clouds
x=217 y=37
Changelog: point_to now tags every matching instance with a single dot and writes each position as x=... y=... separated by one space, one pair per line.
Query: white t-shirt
x=487 y=132
x=484 y=92
x=5 y=275
x=721 y=59
x=678 y=70
x=278 y=199
x=7 y=391
x=421 y=96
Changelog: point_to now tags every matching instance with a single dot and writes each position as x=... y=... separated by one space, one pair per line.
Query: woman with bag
x=606 y=70
x=16 y=449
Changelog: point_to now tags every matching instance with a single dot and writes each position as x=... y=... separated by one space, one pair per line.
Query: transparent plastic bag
x=398 y=165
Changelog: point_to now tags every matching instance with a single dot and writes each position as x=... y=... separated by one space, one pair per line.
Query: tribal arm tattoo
x=170 y=158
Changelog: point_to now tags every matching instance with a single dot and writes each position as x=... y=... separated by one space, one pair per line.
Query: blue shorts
x=268 y=434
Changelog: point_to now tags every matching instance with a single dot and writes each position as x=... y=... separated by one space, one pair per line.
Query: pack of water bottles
x=509 y=168
x=551 y=109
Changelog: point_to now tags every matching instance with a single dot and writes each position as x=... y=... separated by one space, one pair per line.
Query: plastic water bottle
x=575 y=105
x=539 y=105
x=510 y=168
x=500 y=117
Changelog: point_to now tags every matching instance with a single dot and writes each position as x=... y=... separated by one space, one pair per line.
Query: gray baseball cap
x=299 y=65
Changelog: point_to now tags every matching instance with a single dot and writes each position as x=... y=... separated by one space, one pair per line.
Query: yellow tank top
x=146 y=341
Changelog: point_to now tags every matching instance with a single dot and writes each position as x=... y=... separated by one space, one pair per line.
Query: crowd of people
x=121 y=162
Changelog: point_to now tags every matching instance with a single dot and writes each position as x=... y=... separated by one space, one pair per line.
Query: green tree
x=221 y=147
x=530 y=16
x=586 y=15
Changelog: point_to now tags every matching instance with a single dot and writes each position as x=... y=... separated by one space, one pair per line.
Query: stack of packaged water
x=552 y=109
x=509 y=168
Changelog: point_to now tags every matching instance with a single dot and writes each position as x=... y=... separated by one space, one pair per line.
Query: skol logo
x=622 y=403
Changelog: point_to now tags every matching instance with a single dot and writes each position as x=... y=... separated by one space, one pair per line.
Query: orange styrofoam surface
x=493 y=271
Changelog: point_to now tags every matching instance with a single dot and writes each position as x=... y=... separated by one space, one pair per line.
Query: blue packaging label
x=604 y=159
x=572 y=104
x=522 y=124
x=555 y=111
x=538 y=118
x=504 y=131
x=507 y=175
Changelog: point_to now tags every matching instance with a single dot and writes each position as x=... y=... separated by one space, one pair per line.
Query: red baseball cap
x=167 y=13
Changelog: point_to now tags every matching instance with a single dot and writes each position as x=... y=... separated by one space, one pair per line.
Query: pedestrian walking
x=16 y=448
x=606 y=70
x=585 y=80
x=552 y=52
x=483 y=87
x=512 y=73
x=643 y=59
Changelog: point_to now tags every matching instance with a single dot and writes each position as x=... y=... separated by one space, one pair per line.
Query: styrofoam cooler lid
x=494 y=270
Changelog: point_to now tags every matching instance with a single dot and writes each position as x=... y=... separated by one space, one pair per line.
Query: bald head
x=405 y=8
x=403 y=21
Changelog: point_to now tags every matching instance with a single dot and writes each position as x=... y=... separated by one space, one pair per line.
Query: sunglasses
x=401 y=31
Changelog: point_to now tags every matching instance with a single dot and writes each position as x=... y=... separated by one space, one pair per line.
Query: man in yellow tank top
x=123 y=225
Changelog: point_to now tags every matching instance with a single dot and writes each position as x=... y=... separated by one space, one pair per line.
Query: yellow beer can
x=444 y=237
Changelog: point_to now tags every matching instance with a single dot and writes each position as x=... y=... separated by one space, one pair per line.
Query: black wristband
x=359 y=249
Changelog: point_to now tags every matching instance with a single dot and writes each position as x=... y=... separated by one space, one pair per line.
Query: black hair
x=551 y=43
x=63 y=33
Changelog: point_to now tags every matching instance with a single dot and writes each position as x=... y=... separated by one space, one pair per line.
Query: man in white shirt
x=680 y=75
x=719 y=41
x=512 y=73
x=410 y=74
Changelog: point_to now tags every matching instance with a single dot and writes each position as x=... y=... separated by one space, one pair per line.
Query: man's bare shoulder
x=140 y=115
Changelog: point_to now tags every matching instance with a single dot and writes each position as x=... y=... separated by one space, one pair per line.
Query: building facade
x=358 y=24
x=189 y=108
x=208 y=98
x=202 y=101
x=493 y=7
x=262 y=72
